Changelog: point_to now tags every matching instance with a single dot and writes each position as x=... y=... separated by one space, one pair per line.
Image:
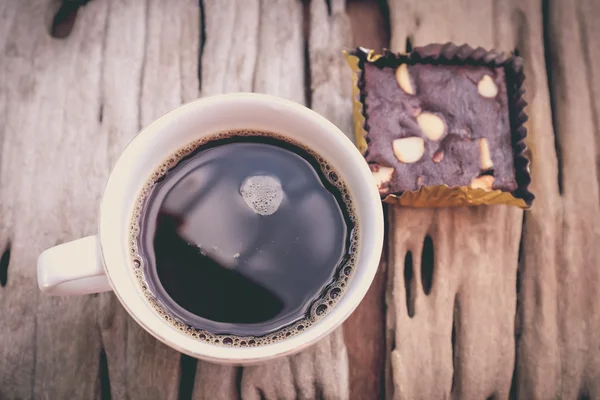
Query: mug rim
x=111 y=251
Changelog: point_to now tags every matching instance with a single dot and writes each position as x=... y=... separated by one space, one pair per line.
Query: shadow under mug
x=102 y=262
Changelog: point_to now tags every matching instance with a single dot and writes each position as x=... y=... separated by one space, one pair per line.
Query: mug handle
x=72 y=268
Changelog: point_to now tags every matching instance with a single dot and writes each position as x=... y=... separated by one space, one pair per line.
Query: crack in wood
x=143 y=63
x=239 y=374
x=390 y=320
x=370 y=23
x=520 y=24
x=408 y=44
x=4 y=262
x=583 y=396
x=453 y=339
x=520 y=266
x=522 y=33
x=319 y=393
x=408 y=284
x=427 y=261
x=417 y=21
x=261 y=394
x=550 y=59
x=258 y=48
x=384 y=9
x=513 y=392
x=522 y=38
x=103 y=63
x=202 y=41
x=187 y=376
x=306 y=45
x=64 y=18
x=104 y=378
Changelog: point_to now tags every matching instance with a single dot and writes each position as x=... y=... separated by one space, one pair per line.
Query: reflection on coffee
x=244 y=238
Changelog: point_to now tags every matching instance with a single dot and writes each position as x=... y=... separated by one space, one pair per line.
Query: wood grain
x=365 y=330
x=482 y=302
x=457 y=341
x=370 y=23
x=558 y=345
x=558 y=267
x=149 y=68
x=49 y=193
x=260 y=47
x=74 y=104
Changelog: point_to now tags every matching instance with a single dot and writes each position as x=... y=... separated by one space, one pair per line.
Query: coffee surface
x=246 y=236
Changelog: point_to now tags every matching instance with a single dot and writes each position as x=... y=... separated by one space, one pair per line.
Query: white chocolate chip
x=432 y=126
x=484 y=182
x=403 y=78
x=382 y=177
x=487 y=87
x=486 y=158
x=409 y=150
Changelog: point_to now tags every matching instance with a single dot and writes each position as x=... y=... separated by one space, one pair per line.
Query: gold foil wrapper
x=443 y=195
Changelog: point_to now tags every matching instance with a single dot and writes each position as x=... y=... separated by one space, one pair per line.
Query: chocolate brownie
x=438 y=124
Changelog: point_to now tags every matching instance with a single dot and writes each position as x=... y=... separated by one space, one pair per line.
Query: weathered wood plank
x=128 y=74
x=587 y=15
x=537 y=361
x=558 y=272
x=364 y=336
x=330 y=34
x=370 y=23
x=457 y=341
x=558 y=352
x=227 y=65
x=520 y=26
x=136 y=77
x=322 y=370
x=230 y=47
x=63 y=138
x=259 y=47
x=45 y=129
x=365 y=330
x=149 y=67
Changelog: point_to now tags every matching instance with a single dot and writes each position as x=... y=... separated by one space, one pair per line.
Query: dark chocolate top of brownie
x=438 y=124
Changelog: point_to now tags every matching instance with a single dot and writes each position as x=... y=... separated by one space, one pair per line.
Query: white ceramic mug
x=102 y=263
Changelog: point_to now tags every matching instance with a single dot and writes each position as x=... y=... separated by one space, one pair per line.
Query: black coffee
x=247 y=238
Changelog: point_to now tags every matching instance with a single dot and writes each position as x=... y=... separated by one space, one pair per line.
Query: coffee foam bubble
x=265 y=195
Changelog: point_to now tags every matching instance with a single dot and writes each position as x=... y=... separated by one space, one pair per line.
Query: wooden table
x=470 y=303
